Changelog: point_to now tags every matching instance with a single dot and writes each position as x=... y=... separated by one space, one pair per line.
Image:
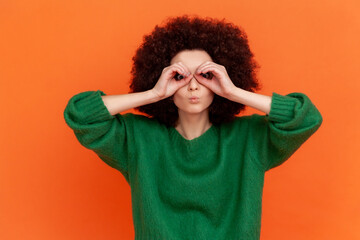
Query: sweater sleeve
x=292 y=119
x=96 y=129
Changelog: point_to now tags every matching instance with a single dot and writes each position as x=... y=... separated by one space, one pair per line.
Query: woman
x=196 y=171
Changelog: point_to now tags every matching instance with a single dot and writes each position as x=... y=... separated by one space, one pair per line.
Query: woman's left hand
x=220 y=83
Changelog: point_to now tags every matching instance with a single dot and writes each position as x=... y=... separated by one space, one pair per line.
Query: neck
x=191 y=126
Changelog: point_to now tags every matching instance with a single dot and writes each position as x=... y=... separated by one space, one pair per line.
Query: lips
x=193 y=98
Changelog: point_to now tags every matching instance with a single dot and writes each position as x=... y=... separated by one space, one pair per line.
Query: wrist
x=232 y=93
x=154 y=95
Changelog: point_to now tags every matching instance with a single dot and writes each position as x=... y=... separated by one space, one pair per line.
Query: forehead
x=191 y=58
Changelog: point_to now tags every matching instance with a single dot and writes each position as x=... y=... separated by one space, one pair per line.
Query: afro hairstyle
x=227 y=45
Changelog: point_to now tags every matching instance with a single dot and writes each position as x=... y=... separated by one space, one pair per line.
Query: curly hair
x=227 y=45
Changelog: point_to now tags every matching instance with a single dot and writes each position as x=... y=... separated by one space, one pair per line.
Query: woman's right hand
x=167 y=85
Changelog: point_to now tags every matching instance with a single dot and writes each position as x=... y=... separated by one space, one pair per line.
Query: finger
x=182 y=67
x=207 y=63
x=205 y=69
x=203 y=82
x=212 y=69
x=183 y=82
x=185 y=77
x=175 y=68
x=183 y=70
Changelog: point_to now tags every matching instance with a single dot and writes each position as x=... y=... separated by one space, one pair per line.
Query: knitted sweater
x=207 y=188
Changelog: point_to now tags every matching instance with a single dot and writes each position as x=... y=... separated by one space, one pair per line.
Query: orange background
x=53 y=188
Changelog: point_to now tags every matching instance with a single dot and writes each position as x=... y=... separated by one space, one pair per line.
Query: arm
x=94 y=118
x=292 y=119
x=165 y=87
x=98 y=130
x=122 y=102
x=289 y=121
x=254 y=100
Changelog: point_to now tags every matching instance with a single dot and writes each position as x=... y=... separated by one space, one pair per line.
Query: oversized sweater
x=207 y=188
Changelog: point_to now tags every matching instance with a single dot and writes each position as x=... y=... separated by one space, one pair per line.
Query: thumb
x=203 y=81
x=184 y=81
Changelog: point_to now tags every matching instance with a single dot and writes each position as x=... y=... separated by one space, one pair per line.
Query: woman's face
x=192 y=59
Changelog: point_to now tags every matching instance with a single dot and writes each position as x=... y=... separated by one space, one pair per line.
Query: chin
x=194 y=111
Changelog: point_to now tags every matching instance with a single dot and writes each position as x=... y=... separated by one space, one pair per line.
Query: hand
x=218 y=81
x=167 y=85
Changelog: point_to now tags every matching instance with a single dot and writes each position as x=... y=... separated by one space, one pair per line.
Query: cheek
x=178 y=99
x=210 y=96
x=179 y=94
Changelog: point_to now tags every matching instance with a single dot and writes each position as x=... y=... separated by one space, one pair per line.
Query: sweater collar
x=206 y=137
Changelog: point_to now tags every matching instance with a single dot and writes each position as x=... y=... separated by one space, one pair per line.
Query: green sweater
x=207 y=188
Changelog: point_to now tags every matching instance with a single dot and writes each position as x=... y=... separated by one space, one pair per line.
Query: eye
x=178 y=76
x=207 y=75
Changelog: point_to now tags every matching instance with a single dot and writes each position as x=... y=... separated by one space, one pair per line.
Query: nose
x=193 y=84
